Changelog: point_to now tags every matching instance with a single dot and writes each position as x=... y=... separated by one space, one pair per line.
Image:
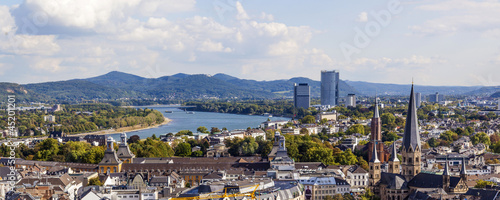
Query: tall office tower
x=350 y=100
x=434 y=97
x=329 y=87
x=301 y=97
x=418 y=99
x=442 y=97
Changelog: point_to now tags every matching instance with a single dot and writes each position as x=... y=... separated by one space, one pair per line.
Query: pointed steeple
x=394 y=155
x=375 y=113
x=411 y=137
x=374 y=154
x=446 y=171
x=463 y=171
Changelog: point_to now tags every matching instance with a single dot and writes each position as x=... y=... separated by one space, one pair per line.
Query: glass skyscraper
x=301 y=97
x=329 y=87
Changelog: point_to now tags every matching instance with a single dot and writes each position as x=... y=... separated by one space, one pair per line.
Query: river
x=184 y=121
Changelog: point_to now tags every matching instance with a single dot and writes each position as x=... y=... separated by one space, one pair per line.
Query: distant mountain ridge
x=117 y=85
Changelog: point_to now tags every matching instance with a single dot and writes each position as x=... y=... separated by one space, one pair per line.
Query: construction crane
x=217 y=195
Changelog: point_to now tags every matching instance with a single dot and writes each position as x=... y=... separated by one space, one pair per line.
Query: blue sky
x=438 y=42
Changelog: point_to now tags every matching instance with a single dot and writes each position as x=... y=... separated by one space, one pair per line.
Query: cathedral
x=404 y=179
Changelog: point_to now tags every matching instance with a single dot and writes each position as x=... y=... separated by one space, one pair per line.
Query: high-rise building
x=301 y=95
x=350 y=100
x=436 y=98
x=418 y=99
x=329 y=87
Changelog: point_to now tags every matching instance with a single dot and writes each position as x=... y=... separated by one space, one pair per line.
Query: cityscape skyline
x=382 y=42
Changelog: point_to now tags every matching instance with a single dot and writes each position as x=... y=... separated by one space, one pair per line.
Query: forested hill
x=119 y=85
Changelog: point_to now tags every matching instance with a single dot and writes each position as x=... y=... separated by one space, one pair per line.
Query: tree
x=183 y=150
x=214 y=130
x=388 y=119
x=449 y=136
x=338 y=197
x=347 y=158
x=197 y=154
x=133 y=139
x=433 y=142
x=319 y=154
x=356 y=128
x=202 y=129
x=480 y=137
x=362 y=163
x=482 y=183
x=308 y=119
x=95 y=181
x=390 y=136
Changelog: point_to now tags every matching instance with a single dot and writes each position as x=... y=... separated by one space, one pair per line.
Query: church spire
x=375 y=113
x=374 y=154
x=394 y=155
x=446 y=171
x=411 y=150
x=463 y=171
x=411 y=137
x=394 y=161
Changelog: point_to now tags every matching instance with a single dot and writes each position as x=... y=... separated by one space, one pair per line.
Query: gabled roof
x=425 y=180
x=159 y=179
x=411 y=137
x=483 y=193
x=393 y=181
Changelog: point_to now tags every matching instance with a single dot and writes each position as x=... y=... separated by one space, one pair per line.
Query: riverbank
x=124 y=129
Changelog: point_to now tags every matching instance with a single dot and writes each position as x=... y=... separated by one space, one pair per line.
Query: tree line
x=83 y=118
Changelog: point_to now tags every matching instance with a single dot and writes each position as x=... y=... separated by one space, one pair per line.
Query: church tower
x=446 y=177
x=393 y=160
x=411 y=150
x=110 y=162
x=376 y=135
x=123 y=152
x=375 y=171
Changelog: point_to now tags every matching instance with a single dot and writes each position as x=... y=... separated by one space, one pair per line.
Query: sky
x=433 y=42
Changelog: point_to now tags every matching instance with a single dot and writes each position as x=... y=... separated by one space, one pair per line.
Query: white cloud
x=458 y=16
x=47 y=64
x=242 y=14
x=30 y=44
x=362 y=17
x=266 y=16
x=7 y=23
x=160 y=7
x=209 y=46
